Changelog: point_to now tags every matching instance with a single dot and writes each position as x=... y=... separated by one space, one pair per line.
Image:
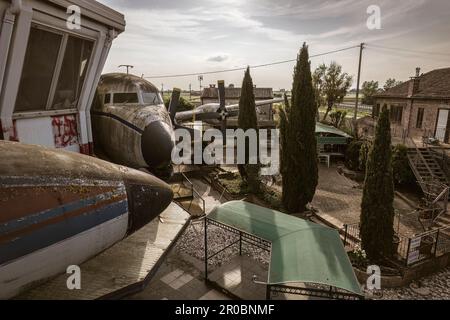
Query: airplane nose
x=157 y=143
x=148 y=196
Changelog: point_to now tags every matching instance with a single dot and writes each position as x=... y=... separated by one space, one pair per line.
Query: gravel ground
x=434 y=287
x=191 y=243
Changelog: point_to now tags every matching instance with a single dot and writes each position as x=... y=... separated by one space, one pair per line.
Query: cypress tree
x=284 y=116
x=377 y=207
x=247 y=120
x=300 y=172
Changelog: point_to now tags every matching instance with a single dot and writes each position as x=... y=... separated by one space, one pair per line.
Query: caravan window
x=38 y=69
x=54 y=70
x=73 y=73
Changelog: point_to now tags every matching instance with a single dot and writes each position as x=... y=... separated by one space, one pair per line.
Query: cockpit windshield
x=152 y=98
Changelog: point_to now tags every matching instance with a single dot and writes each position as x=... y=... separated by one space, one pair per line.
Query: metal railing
x=410 y=250
x=193 y=192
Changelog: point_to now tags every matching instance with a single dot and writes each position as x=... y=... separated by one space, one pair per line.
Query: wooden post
x=345 y=235
x=268 y=289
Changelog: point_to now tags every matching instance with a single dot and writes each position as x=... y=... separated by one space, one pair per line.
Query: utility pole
x=162 y=89
x=361 y=47
x=128 y=66
x=190 y=92
x=200 y=79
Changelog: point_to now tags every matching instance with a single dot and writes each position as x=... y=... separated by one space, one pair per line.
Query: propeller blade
x=222 y=109
x=221 y=89
x=174 y=103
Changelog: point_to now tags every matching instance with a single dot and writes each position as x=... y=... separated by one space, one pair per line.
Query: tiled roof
x=235 y=93
x=434 y=84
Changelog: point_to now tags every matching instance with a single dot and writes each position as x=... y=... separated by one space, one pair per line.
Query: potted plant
x=426 y=245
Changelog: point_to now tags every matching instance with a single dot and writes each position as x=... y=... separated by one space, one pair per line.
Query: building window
x=107 y=98
x=72 y=74
x=419 y=121
x=54 y=71
x=376 y=111
x=127 y=97
x=396 y=114
x=38 y=69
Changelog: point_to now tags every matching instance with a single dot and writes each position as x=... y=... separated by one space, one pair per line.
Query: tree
x=284 y=153
x=338 y=118
x=299 y=144
x=390 y=83
x=318 y=79
x=377 y=207
x=369 y=89
x=247 y=120
x=331 y=84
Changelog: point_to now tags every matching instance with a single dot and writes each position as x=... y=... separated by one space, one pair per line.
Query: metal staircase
x=434 y=184
x=186 y=196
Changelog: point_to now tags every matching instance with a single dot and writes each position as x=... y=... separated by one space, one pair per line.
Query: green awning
x=302 y=251
x=324 y=129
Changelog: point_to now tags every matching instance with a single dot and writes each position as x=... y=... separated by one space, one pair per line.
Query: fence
x=361 y=107
x=409 y=250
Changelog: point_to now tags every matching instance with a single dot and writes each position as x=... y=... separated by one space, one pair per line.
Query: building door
x=442 y=127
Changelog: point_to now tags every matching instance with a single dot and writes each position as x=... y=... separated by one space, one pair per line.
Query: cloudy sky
x=165 y=37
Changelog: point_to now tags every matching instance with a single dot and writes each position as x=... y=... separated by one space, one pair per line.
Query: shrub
x=337 y=118
x=184 y=105
x=400 y=165
x=352 y=154
x=364 y=154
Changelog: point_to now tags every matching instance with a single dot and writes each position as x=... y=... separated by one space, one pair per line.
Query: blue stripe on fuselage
x=39 y=217
x=57 y=232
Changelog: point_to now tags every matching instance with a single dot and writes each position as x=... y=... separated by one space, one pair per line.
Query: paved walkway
x=178 y=278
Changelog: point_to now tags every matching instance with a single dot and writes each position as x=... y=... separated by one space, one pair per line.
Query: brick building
x=419 y=107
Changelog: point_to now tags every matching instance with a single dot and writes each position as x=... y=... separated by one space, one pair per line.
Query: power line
x=251 y=67
x=409 y=50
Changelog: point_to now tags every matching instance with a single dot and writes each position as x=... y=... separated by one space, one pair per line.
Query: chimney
x=413 y=86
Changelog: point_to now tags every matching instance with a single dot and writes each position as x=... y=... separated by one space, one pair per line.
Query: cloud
x=172 y=37
x=218 y=58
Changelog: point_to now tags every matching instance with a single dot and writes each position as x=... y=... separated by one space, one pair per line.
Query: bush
x=352 y=155
x=364 y=154
x=184 y=105
x=337 y=118
x=400 y=165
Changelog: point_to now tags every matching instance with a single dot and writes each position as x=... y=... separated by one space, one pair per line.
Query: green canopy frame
x=301 y=251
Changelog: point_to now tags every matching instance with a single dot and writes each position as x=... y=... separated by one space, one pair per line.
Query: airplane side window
x=38 y=68
x=152 y=98
x=126 y=97
x=73 y=73
x=107 y=98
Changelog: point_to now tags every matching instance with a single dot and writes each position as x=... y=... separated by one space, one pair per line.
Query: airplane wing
x=257 y=103
x=209 y=111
